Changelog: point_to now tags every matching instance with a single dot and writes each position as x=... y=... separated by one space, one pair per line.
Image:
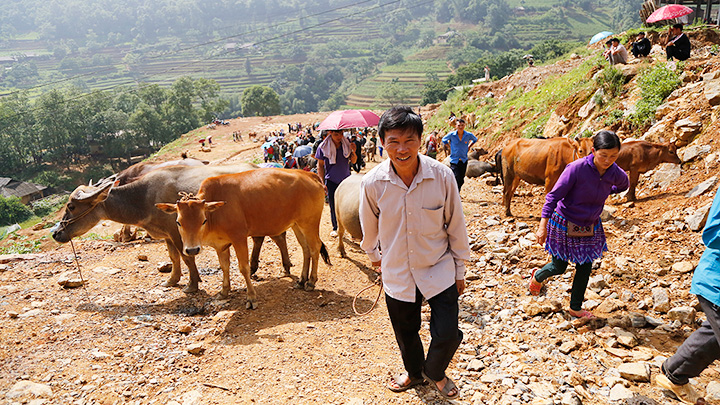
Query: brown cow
x=229 y=208
x=637 y=157
x=537 y=161
x=138 y=170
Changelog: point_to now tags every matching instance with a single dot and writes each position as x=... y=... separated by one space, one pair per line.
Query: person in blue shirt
x=702 y=348
x=460 y=142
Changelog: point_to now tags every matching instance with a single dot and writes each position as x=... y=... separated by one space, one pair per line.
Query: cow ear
x=96 y=196
x=212 y=206
x=168 y=208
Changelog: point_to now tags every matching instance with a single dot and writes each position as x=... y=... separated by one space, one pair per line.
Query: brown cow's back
x=264 y=201
x=536 y=161
x=637 y=157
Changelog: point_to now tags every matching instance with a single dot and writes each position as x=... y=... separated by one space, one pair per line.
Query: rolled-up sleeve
x=369 y=214
x=456 y=228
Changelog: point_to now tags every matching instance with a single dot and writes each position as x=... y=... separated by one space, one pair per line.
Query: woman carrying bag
x=570 y=226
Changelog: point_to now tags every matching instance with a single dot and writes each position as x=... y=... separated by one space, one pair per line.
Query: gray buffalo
x=347 y=206
x=134 y=204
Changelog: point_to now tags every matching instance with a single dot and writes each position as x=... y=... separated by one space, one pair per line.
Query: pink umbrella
x=668 y=12
x=350 y=119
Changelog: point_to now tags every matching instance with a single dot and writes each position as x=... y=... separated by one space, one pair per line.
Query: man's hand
x=353 y=146
x=460 y=284
x=377 y=267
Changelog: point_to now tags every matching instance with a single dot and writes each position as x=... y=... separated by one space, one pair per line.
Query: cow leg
x=224 y=259
x=303 y=282
x=176 y=272
x=281 y=242
x=193 y=272
x=241 y=251
x=255 y=258
x=634 y=177
x=311 y=234
x=511 y=184
x=341 y=233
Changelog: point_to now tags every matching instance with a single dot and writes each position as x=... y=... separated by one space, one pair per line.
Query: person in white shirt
x=618 y=53
x=414 y=230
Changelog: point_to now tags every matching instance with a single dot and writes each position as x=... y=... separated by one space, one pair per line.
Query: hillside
x=372 y=45
x=126 y=338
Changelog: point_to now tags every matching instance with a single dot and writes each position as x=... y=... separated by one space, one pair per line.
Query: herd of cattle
x=223 y=205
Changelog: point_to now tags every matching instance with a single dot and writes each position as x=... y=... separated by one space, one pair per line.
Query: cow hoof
x=170 y=283
x=223 y=294
x=287 y=274
x=190 y=289
x=300 y=285
x=251 y=305
x=309 y=286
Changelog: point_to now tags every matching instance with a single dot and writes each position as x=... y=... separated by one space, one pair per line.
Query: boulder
x=712 y=392
x=639 y=372
x=24 y=387
x=712 y=92
x=693 y=151
x=702 y=187
x=684 y=314
x=665 y=174
x=697 y=220
x=683 y=267
x=555 y=126
x=661 y=300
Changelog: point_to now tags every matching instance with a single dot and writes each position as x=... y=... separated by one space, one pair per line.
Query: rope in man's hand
x=378 y=282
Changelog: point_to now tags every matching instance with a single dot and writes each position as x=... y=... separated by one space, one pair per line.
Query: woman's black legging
x=580 y=281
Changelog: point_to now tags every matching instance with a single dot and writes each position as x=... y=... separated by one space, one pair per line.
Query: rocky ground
x=125 y=339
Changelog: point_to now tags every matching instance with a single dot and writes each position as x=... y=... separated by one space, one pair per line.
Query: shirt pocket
x=432 y=220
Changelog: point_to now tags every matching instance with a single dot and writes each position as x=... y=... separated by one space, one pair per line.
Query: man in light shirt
x=414 y=230
x=618 y=53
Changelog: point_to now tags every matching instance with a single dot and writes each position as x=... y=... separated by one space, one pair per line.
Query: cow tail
x=498 y=165
x=324 y=253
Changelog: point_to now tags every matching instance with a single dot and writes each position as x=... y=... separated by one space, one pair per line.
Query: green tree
x=392 y=93
x=13 y=211
x=260 y=101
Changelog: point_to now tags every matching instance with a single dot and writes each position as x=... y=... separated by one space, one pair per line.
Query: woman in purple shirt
x=570 y=226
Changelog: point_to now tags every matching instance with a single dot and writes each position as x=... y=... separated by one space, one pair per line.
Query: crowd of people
x=677 y=47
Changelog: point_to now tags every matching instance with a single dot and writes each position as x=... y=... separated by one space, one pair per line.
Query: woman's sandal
x=534 y=285
x=581 y=314
x=397 y=387
x=445 y=391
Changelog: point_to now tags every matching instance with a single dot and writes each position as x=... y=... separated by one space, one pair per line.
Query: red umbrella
x=668 y=12
x=350 y=119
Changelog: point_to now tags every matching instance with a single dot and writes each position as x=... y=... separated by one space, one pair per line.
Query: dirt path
x=126 y=339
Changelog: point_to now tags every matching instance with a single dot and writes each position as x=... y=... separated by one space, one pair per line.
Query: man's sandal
x=534 y=286
x=581 y=314
x=445 y=391
x=395 y=386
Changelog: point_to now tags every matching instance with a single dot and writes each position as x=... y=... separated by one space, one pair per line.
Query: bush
x=613 y=117
x=655 y=84
x=611 y=80
x=48 y=205
x=13 y=211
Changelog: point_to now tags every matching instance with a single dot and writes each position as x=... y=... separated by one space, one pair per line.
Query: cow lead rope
x=378 y=282
x=82 y=280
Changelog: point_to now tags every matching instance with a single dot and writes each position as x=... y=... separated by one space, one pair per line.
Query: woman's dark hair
x=400 y=117
x=606 y=140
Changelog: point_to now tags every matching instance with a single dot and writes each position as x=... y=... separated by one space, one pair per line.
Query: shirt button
x=409 y=213
x=411 y=251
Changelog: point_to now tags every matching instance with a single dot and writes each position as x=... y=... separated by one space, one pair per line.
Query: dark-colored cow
x=347 y=210
x=537 y=161
x=134 y=204
x=138 y=170
x=637 y=157
x=476 y=168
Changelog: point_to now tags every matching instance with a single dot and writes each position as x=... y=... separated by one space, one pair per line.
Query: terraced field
x=411 y=75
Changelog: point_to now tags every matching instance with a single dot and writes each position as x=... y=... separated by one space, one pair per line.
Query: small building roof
x=16 y=188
